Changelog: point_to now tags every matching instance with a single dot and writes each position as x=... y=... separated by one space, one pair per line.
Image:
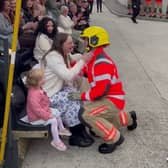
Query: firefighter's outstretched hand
x=74 y=96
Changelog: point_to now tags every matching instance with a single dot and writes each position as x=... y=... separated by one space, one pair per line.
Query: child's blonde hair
x=34 y=76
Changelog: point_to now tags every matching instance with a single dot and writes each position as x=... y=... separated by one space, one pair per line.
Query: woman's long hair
x=42 y=27
x=24 y=6
x=57 y=45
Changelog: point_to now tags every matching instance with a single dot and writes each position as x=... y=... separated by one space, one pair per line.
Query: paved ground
x=141 y=52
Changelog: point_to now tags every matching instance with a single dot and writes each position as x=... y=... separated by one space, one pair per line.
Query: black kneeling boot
x=134 y=121
x=85 y=134
x=109 y=148
x=79 y=137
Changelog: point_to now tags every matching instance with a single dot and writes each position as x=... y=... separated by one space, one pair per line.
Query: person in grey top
x=6 y=27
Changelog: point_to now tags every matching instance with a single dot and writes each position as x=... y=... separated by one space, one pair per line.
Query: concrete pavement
x=141 y=53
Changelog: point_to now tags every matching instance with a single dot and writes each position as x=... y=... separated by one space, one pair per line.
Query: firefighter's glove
x=74 y=96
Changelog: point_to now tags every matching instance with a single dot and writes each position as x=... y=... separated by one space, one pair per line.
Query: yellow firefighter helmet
x=97 y=36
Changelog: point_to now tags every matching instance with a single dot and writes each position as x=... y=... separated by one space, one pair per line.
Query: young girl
x=39 y=111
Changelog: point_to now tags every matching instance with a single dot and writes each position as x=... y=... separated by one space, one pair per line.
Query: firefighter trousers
x=105 y=119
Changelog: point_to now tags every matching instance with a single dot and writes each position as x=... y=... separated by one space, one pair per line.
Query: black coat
x=136 y=3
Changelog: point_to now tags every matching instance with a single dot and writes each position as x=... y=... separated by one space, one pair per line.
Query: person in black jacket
x=136 y=9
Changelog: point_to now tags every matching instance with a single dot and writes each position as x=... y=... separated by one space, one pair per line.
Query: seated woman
x=45 y=32
x=83 y=16
x=65 y=21
x=58 y=77
x=82 y=22
x=28 y=11
x=33 y=11
x=67 y=24
x=28 y=26
x=39 y=8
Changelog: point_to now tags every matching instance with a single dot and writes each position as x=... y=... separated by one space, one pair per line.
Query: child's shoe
x=65 y=132
x=59 y=145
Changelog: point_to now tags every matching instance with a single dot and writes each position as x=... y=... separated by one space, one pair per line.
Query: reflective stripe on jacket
x=104 y=80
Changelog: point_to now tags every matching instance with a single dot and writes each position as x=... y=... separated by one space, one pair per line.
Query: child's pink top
x=37 y=105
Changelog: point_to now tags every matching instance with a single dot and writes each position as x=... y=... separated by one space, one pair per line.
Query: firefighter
x=104 y=113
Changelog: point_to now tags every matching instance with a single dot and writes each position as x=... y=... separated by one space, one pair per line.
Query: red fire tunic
x=104 y=79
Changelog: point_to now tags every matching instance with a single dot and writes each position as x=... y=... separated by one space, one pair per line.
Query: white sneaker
x=65 y=132
x=59 y=145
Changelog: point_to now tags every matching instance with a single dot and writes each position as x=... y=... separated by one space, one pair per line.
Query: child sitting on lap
x=39 y=111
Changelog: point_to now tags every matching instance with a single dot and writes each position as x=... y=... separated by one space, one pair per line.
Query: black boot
x=134 y=121
x=79 y=137
x=109 y=148
x=78 y=141
x=134 y=20
x=85 y=134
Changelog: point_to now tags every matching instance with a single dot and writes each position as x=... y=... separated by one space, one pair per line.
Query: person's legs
x=54 y=130
x=98 y=116
x=97 y=5
x=62 y=129
x=134 y=14
x=137 y=12
x=70 y=110
x=105 y=119
x=56 y=142
x=101 y=5
x=78 y=131
x=159 y=4
x=80 y=137
x=60 y=124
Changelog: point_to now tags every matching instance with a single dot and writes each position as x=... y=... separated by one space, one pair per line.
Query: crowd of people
x=149 y=8
x=40 y=23
x=56 y=31
x=69 y=15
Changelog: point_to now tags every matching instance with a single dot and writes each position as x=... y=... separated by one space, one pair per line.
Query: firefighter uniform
x=105 y=113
